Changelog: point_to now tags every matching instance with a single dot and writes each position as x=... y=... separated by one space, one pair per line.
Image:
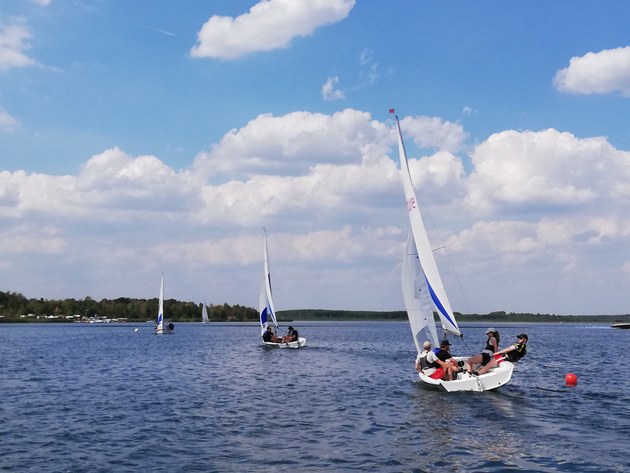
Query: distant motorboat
x=621 y=325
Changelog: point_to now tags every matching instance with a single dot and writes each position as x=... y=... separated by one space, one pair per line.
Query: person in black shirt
x=269 y=336
x=517 y=351
x=292 y=335
x=446 y=362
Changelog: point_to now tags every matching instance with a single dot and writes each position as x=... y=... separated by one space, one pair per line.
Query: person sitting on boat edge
x=483 y=358
x=291 y=336
x=447 y=369
x=422 y=364
x=514 y=352
x=269 y=336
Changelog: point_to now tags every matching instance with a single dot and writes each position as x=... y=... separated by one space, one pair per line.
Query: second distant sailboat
x=160 y=325
x=267 y=312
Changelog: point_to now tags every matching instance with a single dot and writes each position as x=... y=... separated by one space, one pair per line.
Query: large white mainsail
x=266 y=310
x=425 y=253
x=416 y=296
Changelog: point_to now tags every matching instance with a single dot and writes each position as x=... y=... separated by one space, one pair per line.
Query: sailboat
x=160 y=324
x=266 y=309
x=424 y=294
x=204 y=314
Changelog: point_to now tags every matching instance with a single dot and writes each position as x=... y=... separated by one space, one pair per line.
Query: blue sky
x=149 y=136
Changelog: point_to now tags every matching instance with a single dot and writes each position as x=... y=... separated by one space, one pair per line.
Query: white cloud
x=13 y=43
x=269 y=25
x=537 y=209
x=369 y=67
x=8 y=124
x=329 y=90
x=543 y=171
x=42 y=3
x=597 y=73
x=290 y=144
x=432 y=132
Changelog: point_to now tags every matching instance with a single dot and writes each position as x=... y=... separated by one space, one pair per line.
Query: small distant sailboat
x=160 y=327
x=424 y=293
x=204 y=314
x=266 y=309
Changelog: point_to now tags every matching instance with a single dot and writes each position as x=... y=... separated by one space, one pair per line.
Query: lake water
x=104 y=398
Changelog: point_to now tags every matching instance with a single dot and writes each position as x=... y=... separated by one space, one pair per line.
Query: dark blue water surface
x=101 y=398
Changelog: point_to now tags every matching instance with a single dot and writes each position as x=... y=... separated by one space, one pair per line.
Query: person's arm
x=443 y=364
x=506 y=350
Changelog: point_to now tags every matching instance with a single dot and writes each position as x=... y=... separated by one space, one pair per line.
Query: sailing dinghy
x=424 y=293
x=204 y=314
x=160 y=325
x=266 y=308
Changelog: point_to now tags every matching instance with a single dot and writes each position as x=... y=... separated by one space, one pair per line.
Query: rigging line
x=448 y=255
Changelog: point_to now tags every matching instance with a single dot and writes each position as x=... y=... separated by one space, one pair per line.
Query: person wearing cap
x=515 y=352
x=512 y=353
x=425 y=361
x=447 y=368
x=483 y=358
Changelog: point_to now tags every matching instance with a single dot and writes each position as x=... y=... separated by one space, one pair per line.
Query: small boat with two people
x=267 y=312
x=161 y=328
x=424 y=294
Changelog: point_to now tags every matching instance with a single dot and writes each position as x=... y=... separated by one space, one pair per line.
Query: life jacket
x=489 y=348
x=520 y=352
x=426 y=364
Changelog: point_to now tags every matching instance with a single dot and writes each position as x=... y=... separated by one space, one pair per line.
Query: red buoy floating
x=571 y=379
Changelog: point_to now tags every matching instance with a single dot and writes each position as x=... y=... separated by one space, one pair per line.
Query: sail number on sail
x=411 y=204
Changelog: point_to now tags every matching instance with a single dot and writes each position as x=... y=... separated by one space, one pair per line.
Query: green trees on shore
x=14 y=307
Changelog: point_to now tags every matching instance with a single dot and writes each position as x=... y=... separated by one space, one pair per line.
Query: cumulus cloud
x=290 y=144
x=13 y=44
x=328 y=189
x=432 y=132
x=330 y=90
x=597 y=73
x=525 y=171
x=269 y=25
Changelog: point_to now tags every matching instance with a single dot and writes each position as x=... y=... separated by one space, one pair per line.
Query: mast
x=267 y=311
x=160 y=319
x=425 y=253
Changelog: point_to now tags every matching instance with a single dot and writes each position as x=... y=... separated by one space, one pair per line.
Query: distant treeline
x=14 y=307
x=499 y=316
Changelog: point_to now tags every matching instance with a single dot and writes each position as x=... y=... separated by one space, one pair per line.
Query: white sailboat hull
x=493 y=379
x=299 y=344
x=163 y=331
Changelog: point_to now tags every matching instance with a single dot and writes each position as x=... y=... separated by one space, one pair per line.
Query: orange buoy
x=571 y=379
